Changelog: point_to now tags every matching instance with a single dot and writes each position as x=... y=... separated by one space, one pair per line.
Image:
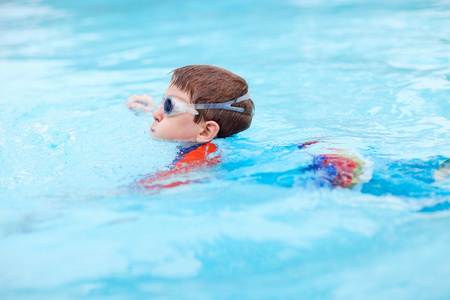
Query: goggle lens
x=168 y=106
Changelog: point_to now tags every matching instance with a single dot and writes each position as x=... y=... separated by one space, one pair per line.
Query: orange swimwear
x=336 y=169
x=190 y=159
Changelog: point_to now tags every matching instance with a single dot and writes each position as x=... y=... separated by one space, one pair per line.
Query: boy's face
x=180 y=127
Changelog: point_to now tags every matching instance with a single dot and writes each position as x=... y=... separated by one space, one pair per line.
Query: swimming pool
x=370 y=77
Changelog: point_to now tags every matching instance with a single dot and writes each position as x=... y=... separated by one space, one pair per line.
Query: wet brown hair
x=210 y=84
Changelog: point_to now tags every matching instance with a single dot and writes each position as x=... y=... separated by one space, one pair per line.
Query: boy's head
x=211 y=111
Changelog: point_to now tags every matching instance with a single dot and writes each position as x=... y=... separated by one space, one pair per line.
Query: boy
x=205 y=102
x=201 y=103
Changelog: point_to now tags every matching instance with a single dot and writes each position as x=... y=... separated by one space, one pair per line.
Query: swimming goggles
x=173 y=106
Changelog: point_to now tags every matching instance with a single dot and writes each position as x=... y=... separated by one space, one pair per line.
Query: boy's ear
x=210 y=130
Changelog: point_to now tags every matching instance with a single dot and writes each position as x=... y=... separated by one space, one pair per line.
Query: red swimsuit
x=189 y=160
x=336 y=169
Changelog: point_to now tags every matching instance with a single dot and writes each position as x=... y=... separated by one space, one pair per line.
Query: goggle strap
x=225 y=105
x=191 y=110
x=243 y=98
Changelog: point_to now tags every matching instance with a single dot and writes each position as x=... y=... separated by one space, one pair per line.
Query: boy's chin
x=161 y=136
x=157 y=137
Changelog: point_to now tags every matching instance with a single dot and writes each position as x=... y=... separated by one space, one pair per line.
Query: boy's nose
x=158 y=114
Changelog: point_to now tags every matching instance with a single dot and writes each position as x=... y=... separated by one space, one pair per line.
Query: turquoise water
x=370 y=77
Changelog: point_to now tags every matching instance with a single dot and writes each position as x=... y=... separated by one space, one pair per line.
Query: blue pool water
x=372 y=77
